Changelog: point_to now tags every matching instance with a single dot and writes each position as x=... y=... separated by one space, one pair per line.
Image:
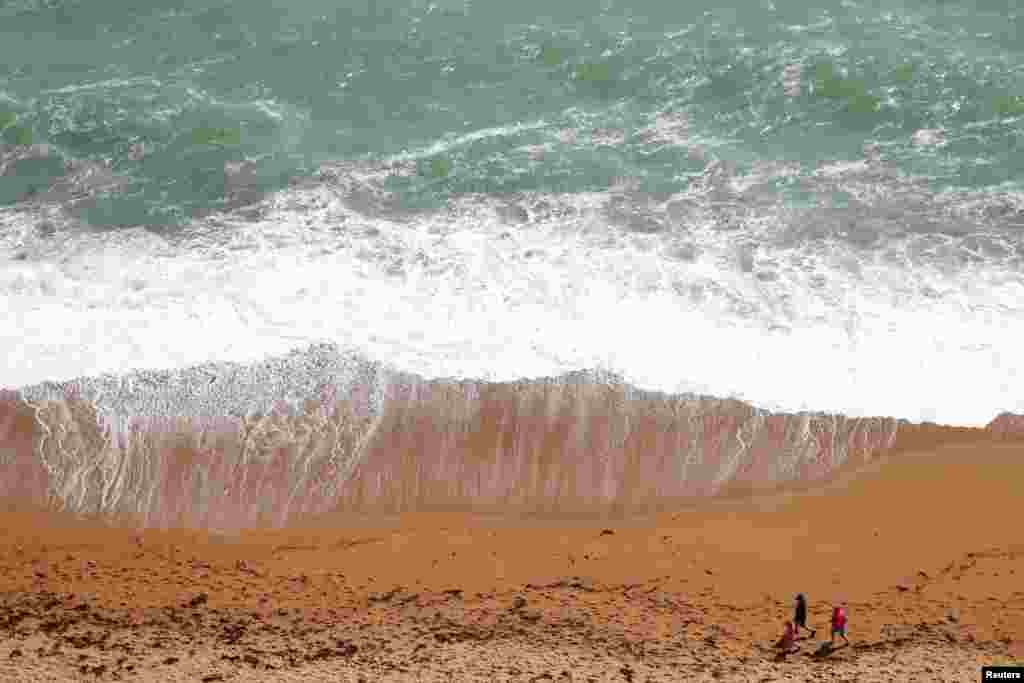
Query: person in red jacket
x=839 y=623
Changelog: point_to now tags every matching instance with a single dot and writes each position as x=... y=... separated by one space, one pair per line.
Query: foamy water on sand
x=271 y=260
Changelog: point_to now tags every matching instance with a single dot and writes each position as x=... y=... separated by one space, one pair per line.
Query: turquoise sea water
x=804 y=205
x=468 y=88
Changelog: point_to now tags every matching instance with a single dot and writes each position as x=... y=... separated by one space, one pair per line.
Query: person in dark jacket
x=800 y=616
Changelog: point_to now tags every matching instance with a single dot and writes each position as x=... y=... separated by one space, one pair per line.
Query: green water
x=469 y=88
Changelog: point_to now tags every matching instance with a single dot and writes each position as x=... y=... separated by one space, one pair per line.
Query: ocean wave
x=713 y=289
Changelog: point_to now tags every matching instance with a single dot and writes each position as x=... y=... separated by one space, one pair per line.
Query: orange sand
x=925 y=547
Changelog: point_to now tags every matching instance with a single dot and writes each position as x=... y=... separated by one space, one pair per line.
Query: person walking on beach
x=800 y=616
x=839 y=623
x=787 y=643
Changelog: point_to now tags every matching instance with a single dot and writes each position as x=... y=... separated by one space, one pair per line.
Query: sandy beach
x=924 y=546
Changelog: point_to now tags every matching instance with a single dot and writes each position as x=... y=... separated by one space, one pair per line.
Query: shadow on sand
x=827 y=649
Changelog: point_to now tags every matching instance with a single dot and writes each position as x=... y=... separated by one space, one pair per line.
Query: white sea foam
x=451 y=142
x=465 y=293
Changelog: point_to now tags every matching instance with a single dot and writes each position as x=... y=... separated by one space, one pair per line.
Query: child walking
x=839 y=623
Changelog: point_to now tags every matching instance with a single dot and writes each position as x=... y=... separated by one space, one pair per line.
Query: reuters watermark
x=1002 y=673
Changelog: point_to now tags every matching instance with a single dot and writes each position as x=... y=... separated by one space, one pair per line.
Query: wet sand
x=925 y=547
